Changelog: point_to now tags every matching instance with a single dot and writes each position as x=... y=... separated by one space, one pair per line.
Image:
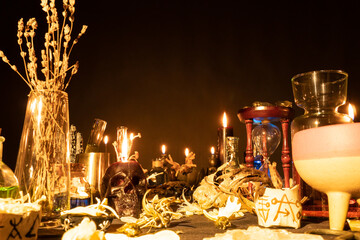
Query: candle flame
x=186 y=152
x=106 y=139
x=224 y=120
x=351 y=111
x=123 y=144
x=212 y=150
x=124 y=149
x=163 y=149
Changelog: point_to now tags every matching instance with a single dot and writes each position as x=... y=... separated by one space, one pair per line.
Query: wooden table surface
x=198 y=227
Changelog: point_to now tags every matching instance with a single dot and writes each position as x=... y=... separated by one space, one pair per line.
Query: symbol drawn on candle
x=30 y=233
x=287 y=206
x=264 y=212
x=15 y=230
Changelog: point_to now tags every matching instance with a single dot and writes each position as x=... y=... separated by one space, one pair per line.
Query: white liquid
x=338 y=174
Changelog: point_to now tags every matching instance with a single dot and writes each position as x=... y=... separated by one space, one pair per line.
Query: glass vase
x=319 y=93
x=42 y=166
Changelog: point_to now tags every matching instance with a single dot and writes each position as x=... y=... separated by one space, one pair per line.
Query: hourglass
x=266 y=138
x=268 y=114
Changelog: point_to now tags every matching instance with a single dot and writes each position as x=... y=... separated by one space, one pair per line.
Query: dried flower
x=222 y=218
x=56 y=52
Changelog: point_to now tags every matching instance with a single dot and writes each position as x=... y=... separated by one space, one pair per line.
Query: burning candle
x=351 y=111
x=186 y=152
x=213 y=162
x=223 y=133
x=106 y=139
x=124 y=182
x=163 y=149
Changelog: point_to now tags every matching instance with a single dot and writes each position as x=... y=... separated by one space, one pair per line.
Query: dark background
x=169 y=69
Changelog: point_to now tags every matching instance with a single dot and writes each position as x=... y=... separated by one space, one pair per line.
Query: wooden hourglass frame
x=281 y=114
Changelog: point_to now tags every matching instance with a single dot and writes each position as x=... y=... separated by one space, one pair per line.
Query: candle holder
x=95 y=165
x=157 y=174
x=124 y=184
x=257 y=114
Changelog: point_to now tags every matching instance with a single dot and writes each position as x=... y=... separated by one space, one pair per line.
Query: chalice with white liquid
x=325 y=143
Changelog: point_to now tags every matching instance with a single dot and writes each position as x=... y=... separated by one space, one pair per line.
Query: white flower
x=230 y=208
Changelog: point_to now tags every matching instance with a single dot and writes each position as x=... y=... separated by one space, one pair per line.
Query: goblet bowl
x=328 y=159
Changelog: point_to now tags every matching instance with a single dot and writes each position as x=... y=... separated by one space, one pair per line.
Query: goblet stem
x=338 y=208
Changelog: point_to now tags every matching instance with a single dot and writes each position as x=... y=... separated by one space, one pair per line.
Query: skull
x=124 y=184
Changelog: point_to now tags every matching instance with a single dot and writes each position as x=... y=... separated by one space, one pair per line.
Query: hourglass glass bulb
x=266 y=138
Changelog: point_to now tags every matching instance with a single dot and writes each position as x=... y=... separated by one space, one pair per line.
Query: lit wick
x=212 y=151
x=106 y=139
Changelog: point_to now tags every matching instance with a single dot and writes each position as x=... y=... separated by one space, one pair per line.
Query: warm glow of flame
x=39 y=112
x=163 y=149
x=124 y=149
x=32 y=106
x=212 y=150
x=224 y=120
x=131 y=136
x=82 y=192
x=186 y=152
x=106 y=139
x=351 y=111
x=91 y=168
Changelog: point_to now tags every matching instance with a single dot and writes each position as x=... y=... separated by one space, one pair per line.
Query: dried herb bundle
x=56 y=52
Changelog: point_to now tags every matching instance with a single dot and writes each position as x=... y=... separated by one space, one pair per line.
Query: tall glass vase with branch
x=42 y=166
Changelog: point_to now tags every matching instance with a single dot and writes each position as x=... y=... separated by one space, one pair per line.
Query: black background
x=169 y=69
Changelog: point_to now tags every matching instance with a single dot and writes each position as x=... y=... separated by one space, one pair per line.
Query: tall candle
x=223 y=132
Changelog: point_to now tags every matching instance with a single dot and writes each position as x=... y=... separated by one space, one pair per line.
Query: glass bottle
x=232 y=151
x=9 y=186
x=96 y=136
